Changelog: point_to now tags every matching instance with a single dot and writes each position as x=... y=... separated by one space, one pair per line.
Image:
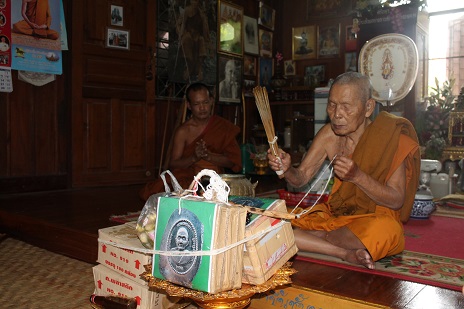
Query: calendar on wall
x=6 y=84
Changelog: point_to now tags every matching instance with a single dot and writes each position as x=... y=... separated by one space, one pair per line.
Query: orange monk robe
x=38 y=12
x=386 y=143
x=220 y=136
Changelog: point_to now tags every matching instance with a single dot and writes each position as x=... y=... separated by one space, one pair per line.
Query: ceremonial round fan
x=391 y=61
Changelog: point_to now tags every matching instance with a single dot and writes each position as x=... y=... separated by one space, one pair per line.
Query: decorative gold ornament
x=233 y=299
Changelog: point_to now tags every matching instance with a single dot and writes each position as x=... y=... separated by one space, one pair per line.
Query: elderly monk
x=376 y=165
x=204 y=141
x=36 y=20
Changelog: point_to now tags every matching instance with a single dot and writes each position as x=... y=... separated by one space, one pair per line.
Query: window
x=446 y=41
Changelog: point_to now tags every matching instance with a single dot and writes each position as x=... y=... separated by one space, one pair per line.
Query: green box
x=188 y=224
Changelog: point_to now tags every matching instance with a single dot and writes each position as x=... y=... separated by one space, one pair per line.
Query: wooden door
x=113 y=103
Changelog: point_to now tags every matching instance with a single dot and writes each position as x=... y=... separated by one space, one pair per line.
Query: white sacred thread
x=280 y=172
x=195 y=253
x=309 y=190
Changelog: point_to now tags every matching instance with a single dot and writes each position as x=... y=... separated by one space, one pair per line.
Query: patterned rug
x=410 y=266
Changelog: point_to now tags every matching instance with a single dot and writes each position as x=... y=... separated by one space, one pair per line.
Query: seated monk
x=376 y=165
x=36 y=20
x=204 y=141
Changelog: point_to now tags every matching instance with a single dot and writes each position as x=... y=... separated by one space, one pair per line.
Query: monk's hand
x=201 y=151
x=345 y=168
x=281 y=163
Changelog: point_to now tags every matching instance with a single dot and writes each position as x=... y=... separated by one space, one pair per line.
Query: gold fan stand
x=236 y=299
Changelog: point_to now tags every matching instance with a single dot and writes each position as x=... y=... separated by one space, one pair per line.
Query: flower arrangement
x=432 y=122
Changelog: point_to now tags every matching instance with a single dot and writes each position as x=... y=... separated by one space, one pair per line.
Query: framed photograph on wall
x=265 y=72
x=289 y=67
x=250 y=35
x=351 y=62
x=328 y=41
x=117 y=15
x=265 y=43
x=248 y=85
x=304 y=43
x=116 y=38
x=230 y=79
x=266 y=16
x=230 y=28
x=249 y=65
x=314 y=74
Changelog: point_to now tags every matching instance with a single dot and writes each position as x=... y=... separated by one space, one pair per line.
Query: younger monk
x=376 y=165
x=204 y=141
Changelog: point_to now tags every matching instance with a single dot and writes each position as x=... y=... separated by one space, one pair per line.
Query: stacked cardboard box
x=265 y=254
x=119 y=269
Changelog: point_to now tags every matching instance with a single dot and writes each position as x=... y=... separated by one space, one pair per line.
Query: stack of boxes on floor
x=119 y=270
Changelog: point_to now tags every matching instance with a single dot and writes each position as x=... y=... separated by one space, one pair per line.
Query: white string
x=314 y=183
x=274 y=140
x=194 y=253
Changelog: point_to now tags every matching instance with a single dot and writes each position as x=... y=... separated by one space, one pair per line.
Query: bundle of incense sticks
x=262 y=102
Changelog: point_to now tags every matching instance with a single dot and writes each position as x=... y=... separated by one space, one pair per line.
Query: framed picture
x=350 y=39
x=266 y=16
x=249 y=65
x=351 y=62
x=328 y=41
x=265 y=72
x=248 y=85
x=230 y=28
x=265 y=43
x=230 y=79
x=314 y=74
x=324 y=8
x=304 y=43
x=116 y=38
x=250 y=35
x=289 y=67
x=117 y=15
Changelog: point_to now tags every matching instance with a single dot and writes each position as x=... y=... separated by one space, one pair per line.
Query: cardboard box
x=188 y=224
x=108 y=282
x=264 y=255
x=128 y=263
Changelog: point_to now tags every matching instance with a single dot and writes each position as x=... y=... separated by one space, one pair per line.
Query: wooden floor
x=67 y=222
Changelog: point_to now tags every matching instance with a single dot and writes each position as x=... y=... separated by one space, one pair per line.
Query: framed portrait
x=314 y=74
x=117 y=15
x=265 y=72
x=304 y=43
x=351 y=62
x=324 y=8
x=230 y=79
x=265 y=43
x=289 y=67
x=248 y=85
x=250 y=35
x=328 y=41
x=230 y=28
x=116 y=38
x=350 y=39
x=249 y=65
x=266 y=16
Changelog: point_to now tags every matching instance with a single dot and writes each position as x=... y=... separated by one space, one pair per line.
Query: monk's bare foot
x=361 y=257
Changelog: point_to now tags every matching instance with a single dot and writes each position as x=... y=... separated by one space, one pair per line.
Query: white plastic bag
x=147 y=220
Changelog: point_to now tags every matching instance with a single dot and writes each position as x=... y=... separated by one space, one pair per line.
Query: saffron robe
x=387 y=142
x=220 y=136
x=38 y=12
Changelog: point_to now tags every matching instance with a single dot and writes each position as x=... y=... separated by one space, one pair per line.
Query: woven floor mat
x=35 y=278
